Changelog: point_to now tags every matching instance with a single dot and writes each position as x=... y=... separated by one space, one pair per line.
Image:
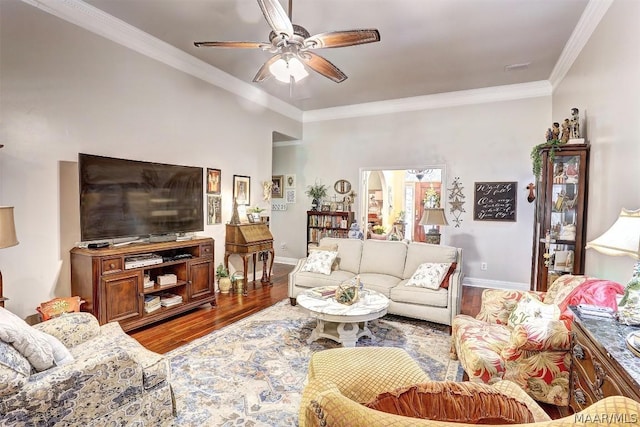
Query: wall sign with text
x=495 y=201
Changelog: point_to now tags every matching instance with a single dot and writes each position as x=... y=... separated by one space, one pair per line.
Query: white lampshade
x=623 y=238
x=7 y=227
x=433 y=216
x=283 y=70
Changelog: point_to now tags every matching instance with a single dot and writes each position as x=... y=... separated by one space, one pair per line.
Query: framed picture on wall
x=214 y=209
x=277 y=187
x=241 y=189
x=213 y=181
x=290 y=181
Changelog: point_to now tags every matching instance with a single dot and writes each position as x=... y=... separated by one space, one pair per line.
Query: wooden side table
x=601 y=363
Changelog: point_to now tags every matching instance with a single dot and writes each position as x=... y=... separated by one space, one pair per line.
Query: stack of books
x=151 y=303
x=148 y=282
x=594 y=310
x=168 y=300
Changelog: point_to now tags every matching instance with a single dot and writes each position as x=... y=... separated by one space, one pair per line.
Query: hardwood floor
x=172 y=333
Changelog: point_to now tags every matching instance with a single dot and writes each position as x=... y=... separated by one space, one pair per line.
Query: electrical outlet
x=283 y=245
x=483 y=266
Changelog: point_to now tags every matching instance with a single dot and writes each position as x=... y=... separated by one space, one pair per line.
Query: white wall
x=487 y=142
x=64 y=91
x=604 y=83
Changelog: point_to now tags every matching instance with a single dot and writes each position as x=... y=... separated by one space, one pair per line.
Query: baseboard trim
x=284 y=260
x=494 y=284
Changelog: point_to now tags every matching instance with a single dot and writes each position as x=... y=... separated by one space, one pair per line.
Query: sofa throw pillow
x=530 y=309
x=429 y=275
x=59 y=306
x=30 y=342
x=14 y=369
x=320 y=262
x=449 y=401
x=61 y=354
x=445 y=281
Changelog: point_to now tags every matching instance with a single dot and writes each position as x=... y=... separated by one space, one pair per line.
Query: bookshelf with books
x=327 y=224
x=129 y=285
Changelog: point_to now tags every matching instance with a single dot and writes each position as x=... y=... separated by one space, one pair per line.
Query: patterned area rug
x=252 y=373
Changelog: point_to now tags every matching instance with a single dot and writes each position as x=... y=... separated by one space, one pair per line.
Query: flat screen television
x=129 y=198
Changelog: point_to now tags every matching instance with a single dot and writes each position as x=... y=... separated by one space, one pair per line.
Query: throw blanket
x=596 y=292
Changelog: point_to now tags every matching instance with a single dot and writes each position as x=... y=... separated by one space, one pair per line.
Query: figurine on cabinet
x=575 y=123
x=566 y=131
x=555 y=131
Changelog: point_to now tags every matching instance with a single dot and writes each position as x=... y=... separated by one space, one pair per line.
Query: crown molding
x=587 y=24
x=93 y=19
x=96 y=21
x=429 y=102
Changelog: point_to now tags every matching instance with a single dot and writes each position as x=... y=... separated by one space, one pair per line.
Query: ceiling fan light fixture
x=283 y=70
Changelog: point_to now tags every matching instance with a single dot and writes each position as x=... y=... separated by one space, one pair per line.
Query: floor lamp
x=433 y=217
x=7 y=237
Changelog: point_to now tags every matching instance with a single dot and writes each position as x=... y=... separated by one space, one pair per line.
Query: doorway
x=394 y=200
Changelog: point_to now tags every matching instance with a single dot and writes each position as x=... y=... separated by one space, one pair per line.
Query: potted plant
x=536 y=155
x=317 y=192
x=224 y=282
x=378 y=232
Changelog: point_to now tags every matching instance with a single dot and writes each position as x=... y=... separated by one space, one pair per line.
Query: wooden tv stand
x=114 y=292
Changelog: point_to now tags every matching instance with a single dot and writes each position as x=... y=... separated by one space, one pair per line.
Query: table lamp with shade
x=8 y=237
x=433 y=217
x=623 y=239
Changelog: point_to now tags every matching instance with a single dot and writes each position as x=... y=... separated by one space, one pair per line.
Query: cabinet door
x=201 y=278
x=561 y=212
x=120 y=296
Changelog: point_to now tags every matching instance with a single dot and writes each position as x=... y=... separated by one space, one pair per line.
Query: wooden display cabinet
x=327 y=224
x=560 y=223
x=114 y=292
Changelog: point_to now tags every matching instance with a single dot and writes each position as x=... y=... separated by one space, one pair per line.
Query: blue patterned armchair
x=112 y=380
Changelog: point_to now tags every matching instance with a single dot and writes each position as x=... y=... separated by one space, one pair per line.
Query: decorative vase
x=315 y=204
x=347 y=295
x=224 y=284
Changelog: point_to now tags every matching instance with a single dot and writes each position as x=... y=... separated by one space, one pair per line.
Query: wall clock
x=342 y=186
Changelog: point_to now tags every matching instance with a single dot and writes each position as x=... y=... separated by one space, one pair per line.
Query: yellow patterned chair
x=342 y=380
x=533 y=352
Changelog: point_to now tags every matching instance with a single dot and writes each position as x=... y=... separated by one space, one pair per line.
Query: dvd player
x=142 y=260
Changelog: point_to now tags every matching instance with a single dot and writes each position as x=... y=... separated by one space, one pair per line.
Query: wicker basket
x=346 y=295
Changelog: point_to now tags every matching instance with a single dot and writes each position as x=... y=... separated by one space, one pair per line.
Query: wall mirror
x=394 y=200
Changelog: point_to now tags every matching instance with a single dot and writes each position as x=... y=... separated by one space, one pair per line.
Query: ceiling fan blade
x=342 y=38
x=276 y=17
x=244 y=45
x=321 y=65
x=263 y=73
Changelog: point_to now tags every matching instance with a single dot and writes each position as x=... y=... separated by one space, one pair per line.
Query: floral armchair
x=533 y=352
x=105 y=377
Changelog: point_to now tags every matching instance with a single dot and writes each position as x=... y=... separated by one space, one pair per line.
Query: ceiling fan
x=293 y=46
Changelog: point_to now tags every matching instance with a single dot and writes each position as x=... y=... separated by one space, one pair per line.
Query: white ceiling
x=427 y=46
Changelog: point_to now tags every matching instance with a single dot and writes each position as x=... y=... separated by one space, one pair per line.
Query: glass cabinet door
x=561 y=215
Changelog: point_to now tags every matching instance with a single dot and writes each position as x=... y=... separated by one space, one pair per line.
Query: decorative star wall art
x=456 y=201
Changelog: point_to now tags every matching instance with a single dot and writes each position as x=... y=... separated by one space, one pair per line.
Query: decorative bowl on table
x=346 y=294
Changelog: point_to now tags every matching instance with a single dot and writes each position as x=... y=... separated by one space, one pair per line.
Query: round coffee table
x=339 y=322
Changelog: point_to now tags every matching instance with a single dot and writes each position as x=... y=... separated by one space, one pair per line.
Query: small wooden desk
x=248 y=240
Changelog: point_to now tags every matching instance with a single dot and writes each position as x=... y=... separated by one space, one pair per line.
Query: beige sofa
x=386 y=267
